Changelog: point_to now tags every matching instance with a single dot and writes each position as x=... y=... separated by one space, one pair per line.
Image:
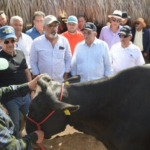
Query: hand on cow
x=33 y=84
x=40 y=136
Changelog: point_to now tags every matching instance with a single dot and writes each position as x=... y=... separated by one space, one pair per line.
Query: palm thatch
x=96 y=11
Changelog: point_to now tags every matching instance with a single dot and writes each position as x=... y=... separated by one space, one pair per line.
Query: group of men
x=77 y=51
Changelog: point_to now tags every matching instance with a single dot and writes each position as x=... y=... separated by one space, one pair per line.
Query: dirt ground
x=71 y=139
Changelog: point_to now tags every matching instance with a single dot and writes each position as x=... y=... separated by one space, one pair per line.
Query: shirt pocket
x=59 y=54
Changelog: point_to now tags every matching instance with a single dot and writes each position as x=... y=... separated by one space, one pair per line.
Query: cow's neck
x=95 y=105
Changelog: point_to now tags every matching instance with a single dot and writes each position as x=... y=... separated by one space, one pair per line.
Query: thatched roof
x=96 y=11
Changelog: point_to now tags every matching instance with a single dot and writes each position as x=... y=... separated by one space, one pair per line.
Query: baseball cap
x=49 y=19
x=89 y=26
x=7 y=32
x=3 y=64
x=72 y=19
x=125 y=30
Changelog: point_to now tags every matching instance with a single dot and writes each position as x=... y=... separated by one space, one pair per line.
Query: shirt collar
x=7 y=55
x=94 y=42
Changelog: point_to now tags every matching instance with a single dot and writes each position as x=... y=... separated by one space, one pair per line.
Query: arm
x=67 y=60
x=8 y=93
x=101 y=35
x=74 y=63
x=34 y=60
x=107 y=61
x=28 y=74
x=147 y=47
x=8 y=141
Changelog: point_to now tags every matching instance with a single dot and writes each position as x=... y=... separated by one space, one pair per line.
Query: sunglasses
x=52 y=26
x=7 y=42
x=137 y=23
x=123 y=36
x=116 y=20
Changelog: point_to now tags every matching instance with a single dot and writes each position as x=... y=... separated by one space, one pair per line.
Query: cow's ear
x=43 y=81
x=64 y=106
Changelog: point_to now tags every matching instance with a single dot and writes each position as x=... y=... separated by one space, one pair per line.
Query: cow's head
x=46 y=100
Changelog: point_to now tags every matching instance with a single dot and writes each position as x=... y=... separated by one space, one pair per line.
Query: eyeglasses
x=123 y=36
x=7 y=42
x=116 y=20
x=52 y=26
x=137 y=23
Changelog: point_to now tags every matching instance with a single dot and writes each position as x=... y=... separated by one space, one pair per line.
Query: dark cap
x=89 y=26
x=125 y=15
x=125 y=30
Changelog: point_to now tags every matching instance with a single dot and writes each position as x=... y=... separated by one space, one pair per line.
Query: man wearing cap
x=91 y=59
x=16 y=73
x=141 y=38
x=126 y=19
x=109 y=34
x=50 y=53
x=125 y=54
x=8 y=141
x=73 y=36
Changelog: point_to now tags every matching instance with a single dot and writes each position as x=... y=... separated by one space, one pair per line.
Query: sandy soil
x=71 y=139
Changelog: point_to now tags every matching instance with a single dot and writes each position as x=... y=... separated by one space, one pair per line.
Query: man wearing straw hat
x=50 y=53
x=141 y=37
x=7 y=139
x=109 y=34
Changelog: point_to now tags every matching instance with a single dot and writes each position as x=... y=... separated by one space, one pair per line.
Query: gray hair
x=15 y=18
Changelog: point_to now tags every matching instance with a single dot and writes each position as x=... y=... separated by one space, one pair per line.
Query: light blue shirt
x=92 y=62
x=33 y=33
x=55 y=61
x=109 y=37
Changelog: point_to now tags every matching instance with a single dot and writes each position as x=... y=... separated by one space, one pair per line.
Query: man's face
x=72 y=27
x=17 y=25
x=115 y=22
x=138 y=25
x=123 y=22
x=81 y=22
x=51 y=30
x=125 y=39
x=38 y=22
x=89 y=36
x=8 y=45
x=3 y=20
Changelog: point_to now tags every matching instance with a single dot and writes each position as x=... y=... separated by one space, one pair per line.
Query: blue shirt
x=92 y=62
x=33 y=33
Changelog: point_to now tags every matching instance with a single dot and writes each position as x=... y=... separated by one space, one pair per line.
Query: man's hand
x=145 y=54
x=33 y=84
x=4 y=109
x=40 y=136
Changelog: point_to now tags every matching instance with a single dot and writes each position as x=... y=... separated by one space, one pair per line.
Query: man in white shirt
x=125 y=54
x=91 y=59
x=50 y=53
x=23 y=41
